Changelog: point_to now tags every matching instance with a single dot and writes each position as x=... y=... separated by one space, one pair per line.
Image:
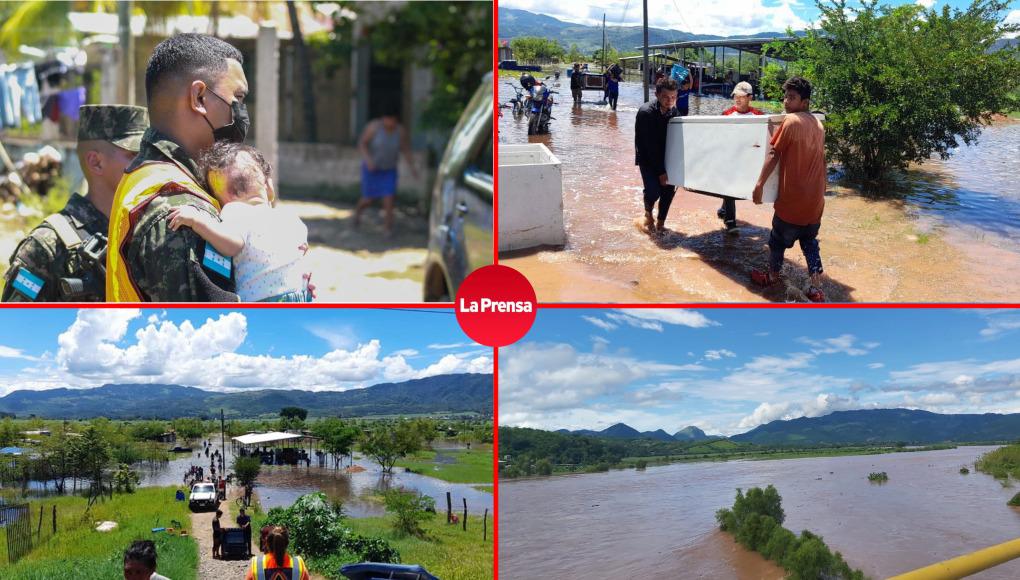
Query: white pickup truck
x=203 y=496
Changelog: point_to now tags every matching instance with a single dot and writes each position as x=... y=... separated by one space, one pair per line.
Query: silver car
x=460 y=219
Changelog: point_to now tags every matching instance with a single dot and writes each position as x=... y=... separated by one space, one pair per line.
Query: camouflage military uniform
x=43 y=255
x=43 y=258
x=166 y=265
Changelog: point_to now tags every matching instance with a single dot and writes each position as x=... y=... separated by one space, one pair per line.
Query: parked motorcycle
x=540 y=102
x=517 y=103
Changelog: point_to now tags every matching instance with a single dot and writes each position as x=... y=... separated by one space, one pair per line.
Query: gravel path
x=201 y=525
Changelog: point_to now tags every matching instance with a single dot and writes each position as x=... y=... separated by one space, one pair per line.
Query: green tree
x=294 y=413
x=188 y=428
x=247 y=470
x=900 y=84
x=387 y=443
x=9 y=435
x=543 y=467
x=574 y=54
x=411 y=509
x=337 y=437
x=453 y=39
x=125 y=479
x=90 y=455
x=534 y=48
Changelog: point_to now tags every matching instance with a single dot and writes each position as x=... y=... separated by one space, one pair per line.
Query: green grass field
x=78 y=551
x=470 y=466
x=448 y=553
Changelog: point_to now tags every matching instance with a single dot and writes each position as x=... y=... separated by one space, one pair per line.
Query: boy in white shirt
x=267 y=243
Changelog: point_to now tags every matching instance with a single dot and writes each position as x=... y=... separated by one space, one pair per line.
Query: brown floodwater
x=281 y=485
x=944 y=231
x=660 y=523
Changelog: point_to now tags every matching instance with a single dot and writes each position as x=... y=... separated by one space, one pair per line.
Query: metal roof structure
x=753 y=45
x=271 y=437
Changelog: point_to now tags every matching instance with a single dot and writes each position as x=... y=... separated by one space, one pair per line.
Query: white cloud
x=844 y=343
x=8 y=352
x=95 y=350
x=451 y=345
x=876 y=365
x=541 y=379
x=1000 y=322
x=603 y=324
x=656 y=318
x=335 y=335
x=926 y=3
x=823 y=404
x=719 y=354
x=1012 y=18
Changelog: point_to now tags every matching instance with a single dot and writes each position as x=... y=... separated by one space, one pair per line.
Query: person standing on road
x=381 y=144
x=217 y=535
x=650 y=149
x=576 y=83
x=276 y=562
x=244 y=522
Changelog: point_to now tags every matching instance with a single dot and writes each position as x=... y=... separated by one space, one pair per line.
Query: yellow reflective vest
x=136 y=189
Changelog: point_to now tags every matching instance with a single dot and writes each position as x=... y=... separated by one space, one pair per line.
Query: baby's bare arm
x=215 y=232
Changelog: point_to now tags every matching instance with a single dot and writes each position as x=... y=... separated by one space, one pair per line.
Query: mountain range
x=455 y=393
x=623 y=431
x=515 y=23
x=849 y=428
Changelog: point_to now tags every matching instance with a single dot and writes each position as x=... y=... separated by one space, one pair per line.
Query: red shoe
x=815 y=294
x=764 y=278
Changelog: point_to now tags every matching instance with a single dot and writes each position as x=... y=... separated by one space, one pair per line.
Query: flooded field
x=660 y=522
x=279 y=486
x=943 y=232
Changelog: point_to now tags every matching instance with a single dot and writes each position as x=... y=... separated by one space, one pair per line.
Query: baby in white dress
x=267 y=244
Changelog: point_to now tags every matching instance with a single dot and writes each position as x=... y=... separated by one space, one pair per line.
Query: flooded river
x=962 y=214
x=661 y=522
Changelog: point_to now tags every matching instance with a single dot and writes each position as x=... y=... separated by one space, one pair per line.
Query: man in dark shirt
x=650 y=148
x=576 y=82
x=244 y=522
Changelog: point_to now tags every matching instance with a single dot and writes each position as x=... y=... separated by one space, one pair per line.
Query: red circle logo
x=495 y=305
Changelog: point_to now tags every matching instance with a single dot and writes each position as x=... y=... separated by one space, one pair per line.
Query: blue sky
x=723 y=18
x=729 y=370
x=319 y=349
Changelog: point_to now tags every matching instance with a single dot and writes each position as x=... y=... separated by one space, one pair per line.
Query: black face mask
x=236 y=131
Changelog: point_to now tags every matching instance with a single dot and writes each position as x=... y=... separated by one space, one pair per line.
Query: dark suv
x=460 y=220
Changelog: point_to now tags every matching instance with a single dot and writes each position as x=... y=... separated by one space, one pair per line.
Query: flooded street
x=281 y=485
x=661 y=522
x=942 y=233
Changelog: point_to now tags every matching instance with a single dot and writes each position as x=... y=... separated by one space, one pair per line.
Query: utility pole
x=646 y=71
x=603 y=42
x=223 y=448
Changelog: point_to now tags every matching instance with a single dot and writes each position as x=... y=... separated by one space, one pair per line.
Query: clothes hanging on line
x=19 y=95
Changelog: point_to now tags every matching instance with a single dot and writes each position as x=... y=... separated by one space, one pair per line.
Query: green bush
x=641 y=464
x=1015 y=501
x=544 y=467
x=878 y=477
x=412 y=510
x=314 y=525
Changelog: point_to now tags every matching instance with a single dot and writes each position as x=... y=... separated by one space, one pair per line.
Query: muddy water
x=280 y=486
x=944 y=232
x=660 y=522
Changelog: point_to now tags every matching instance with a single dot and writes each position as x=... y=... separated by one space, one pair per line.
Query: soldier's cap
x=122 y=125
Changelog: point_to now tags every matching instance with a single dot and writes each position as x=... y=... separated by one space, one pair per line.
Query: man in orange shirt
x=800 y=142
